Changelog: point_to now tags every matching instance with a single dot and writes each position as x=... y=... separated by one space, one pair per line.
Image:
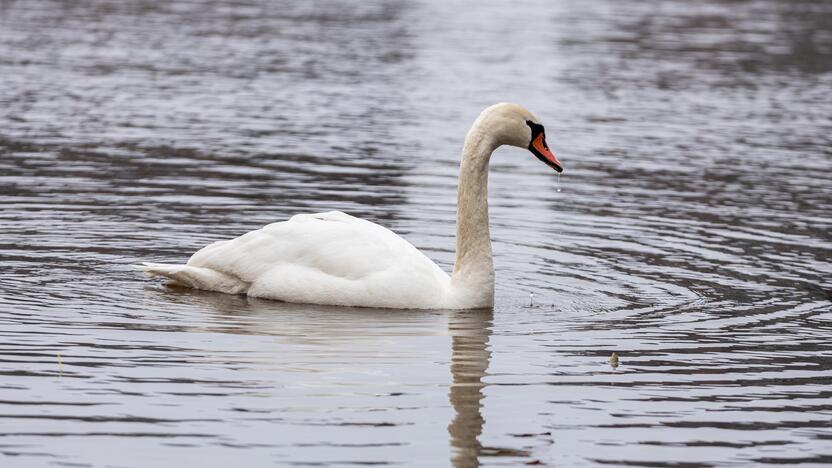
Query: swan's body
x=337 y=259
x=326 y=258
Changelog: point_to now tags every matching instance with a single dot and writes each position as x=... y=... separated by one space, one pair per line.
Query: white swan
x=334 y=258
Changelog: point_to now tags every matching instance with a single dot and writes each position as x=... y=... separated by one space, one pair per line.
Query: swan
x=333 y=258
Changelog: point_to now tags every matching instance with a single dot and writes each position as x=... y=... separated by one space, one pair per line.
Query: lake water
x=691 y=236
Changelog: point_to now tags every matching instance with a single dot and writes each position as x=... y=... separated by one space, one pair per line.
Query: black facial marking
x=537 y=129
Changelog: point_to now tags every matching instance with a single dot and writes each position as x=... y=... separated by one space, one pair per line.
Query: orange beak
x=539 y=148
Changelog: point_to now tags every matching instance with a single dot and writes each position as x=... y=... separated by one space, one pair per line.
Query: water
x=692 y=237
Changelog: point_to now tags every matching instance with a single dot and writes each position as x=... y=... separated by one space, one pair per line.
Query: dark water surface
x=692 y=234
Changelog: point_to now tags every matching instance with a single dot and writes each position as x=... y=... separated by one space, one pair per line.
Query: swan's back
x=325 y=258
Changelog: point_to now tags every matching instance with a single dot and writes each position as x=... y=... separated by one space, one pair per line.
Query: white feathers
x=325 y=258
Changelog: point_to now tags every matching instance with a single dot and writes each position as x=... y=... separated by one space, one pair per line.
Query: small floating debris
x=531 y=304
x=614 y=360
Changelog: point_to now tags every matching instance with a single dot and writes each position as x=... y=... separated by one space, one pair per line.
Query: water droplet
x=558 y=181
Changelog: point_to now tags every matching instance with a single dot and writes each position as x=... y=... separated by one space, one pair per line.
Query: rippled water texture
x=691 y=237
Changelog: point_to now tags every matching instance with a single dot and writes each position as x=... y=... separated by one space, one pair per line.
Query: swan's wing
x=326 y=251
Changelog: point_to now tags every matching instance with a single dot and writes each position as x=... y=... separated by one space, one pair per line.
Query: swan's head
x=511 y=124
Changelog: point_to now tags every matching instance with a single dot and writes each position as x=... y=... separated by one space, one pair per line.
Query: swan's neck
x=473 y=277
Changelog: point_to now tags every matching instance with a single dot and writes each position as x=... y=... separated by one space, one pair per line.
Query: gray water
x=691 y=236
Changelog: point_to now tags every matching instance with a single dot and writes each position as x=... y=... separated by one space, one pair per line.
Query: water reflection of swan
x=315 y=335
x=333 y=258
x=470 y=331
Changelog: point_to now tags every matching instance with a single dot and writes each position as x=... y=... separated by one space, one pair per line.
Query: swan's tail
x=195 y=277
